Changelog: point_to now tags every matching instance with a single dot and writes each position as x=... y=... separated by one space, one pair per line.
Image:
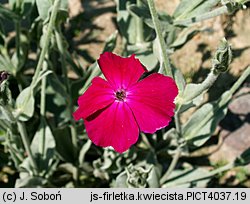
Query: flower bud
x=137 y=176
x=234 y=5
x=5 y=94
x=222 y=57
x=3 y=76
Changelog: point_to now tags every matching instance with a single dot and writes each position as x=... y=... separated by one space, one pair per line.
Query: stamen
x=120 y=95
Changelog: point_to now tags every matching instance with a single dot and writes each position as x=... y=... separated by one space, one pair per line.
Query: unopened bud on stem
x=3 y=76
x=4 y=90
x=234 y=5
x=222 y=57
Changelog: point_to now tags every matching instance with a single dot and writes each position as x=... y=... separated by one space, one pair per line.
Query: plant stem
x=178 y=123
x=242 y=78
x=206 y=84
x=26 y=143
x=47 y=40
x=172 y=164
x=166 y=60
x=75 y=144
x=18 y=4
x=59 y=42
x=17 y=39
x=73 y=130
x=43 y=91
x=224 y=99
x=3 y=125
x=43 y=108
x=70 y=104
x=96 y=72
x=178 y=150
x=18 y=34
x=168 y=70
x=16 y=156
x=21 y=125
x=146 y=142
x=44 y=48
x=139 y=26
x=208 y=15
x=236 y=85
x=208 y=175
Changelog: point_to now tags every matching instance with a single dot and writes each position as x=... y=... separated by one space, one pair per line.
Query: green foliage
x=244 y=158
x=135 y=177
x=25 y=104
x=25 y=7
x=44 y=77
x=7 y=14
x=43 y=8
x=187 y=9
x=188 y=178
x=204 y=121
x=25 y=101
x=222 y=57
x=44 y=152
x=6 y=64
x=5 y=94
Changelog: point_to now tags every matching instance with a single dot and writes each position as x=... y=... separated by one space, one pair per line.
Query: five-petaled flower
x=116 y=109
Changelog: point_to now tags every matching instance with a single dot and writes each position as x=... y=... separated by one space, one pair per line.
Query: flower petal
x=120 y=72
x=98 y=96
x=151 y=101
x=113 y=126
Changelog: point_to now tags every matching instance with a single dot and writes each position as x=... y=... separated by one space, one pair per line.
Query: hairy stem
x=47 y=39
x=208 y=15
x=59 y=42
x=70 y=104
x=73 y=130
x=236 y=85
x=26 y=143
x=18 y=34
x=43 y=91
x=44 y=48
x=139 y=26
x=44 y=51
x=17 y=39
x=206 y=84
x=178 y=150
x=166 y=60
x=3 y=125
x=18 y=3
x=178 y=123
x=206 y=176
x=168 y=70
x=242 y=78
x=172 y=165
x=43 y=108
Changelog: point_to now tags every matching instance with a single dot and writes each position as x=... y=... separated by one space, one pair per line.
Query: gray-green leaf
x=203 y=122
x=43 y=147
x=25 y=103
x=43 y=7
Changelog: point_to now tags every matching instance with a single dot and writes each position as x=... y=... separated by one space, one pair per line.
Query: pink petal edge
x=98 y=96
x=152 y=102
x=114 y=126
x=120 y=72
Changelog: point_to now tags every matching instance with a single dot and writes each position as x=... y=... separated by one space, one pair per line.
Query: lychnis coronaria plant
x=115 y=110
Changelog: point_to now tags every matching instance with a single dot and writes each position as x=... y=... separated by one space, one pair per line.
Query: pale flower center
x=120 y=95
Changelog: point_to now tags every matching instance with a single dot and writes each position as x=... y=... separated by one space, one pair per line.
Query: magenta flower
x=116 y=109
